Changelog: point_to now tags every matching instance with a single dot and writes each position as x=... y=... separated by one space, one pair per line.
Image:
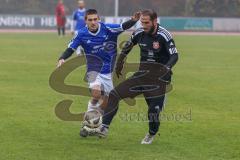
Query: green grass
x=206 y=81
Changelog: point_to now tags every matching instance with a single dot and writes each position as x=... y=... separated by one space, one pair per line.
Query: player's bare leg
x=95 y=103
x=96 y=100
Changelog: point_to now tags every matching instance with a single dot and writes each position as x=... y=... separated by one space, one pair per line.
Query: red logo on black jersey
x=156 y=45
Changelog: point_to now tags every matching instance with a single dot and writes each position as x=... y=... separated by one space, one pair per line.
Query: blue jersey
x=78 y=17
x=100 y=48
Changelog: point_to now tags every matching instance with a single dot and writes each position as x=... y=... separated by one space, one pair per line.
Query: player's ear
x=155 y=21
x=99 y=18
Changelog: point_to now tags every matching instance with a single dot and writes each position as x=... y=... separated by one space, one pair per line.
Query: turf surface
x=201 y=119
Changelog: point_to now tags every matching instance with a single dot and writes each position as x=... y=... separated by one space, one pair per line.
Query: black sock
x=111 y=109
x=155 y=106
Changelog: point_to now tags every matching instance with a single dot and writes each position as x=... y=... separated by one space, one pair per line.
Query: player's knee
x=96 y=94
x=156 y=105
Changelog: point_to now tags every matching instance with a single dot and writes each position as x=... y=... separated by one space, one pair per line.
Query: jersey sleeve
x=170 y=47
x=115 y=28
x=173 y=53
x=169 y=42
x=76 y=41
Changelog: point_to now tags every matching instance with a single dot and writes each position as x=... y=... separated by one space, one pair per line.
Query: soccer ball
x=92 y=119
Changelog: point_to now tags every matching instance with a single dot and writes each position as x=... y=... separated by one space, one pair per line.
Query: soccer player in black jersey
x=158 y=54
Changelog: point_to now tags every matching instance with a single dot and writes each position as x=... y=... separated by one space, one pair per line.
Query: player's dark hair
x=90 y=12
x=151 y=13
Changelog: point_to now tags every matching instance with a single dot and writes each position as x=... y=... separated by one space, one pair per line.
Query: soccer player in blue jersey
x=78 y=21
x=99 y=42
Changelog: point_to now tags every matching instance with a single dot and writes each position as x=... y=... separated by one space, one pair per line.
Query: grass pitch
x=201 y=119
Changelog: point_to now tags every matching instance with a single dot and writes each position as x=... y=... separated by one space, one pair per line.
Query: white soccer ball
x=92 y=119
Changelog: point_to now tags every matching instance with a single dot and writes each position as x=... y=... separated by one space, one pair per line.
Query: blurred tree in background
x=216 y=8
x=199 y=8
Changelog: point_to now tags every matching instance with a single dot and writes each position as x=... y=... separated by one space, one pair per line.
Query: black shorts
x=152 y=80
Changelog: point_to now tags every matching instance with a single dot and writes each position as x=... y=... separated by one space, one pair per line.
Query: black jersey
x=159 y=47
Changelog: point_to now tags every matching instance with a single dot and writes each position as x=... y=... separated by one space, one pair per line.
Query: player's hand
x=168 y=68
x=136 y=16
x=118 y=70
x=60 y=62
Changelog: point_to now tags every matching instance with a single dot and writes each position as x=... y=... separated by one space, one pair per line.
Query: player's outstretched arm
x=125 y=50
x=128 y=24
x=66 y=54
x=120 y=61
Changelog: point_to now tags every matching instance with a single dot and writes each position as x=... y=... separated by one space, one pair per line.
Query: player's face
x=92 y=22
x=147 y=23
x=81 y=4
